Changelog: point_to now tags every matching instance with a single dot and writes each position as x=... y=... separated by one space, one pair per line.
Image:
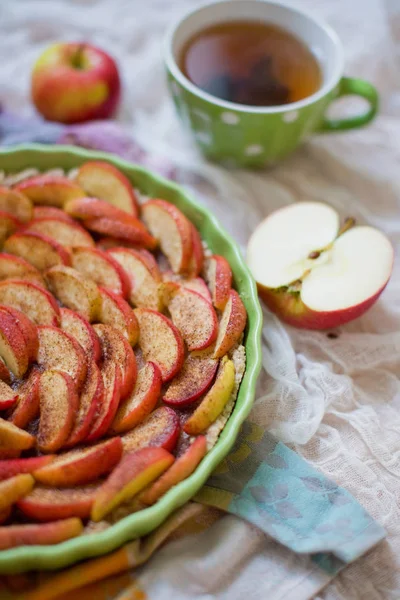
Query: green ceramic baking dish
x=54 y=557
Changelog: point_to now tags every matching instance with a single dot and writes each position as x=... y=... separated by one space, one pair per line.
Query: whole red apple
x=75 y=82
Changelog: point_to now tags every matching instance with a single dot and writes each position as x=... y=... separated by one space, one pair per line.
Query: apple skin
x=291 y=309
x=75 y=82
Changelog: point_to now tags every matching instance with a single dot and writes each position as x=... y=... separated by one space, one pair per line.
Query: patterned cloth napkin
x=261 y=481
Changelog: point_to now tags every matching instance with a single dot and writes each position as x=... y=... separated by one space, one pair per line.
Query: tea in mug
x=253 y=63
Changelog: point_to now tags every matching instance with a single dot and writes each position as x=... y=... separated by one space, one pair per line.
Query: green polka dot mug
x=254 y=136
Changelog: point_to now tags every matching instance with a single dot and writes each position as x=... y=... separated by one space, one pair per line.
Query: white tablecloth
x=336 y=401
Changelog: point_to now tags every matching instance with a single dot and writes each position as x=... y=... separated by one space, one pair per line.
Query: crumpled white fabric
x=336 y=401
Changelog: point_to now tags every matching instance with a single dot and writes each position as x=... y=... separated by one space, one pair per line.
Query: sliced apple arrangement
x=118 y=338
x=314 y=273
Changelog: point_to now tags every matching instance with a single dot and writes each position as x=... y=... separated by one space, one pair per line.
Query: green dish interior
x=54 y=557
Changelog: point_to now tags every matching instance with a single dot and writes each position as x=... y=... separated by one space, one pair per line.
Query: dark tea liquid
x=251 y=63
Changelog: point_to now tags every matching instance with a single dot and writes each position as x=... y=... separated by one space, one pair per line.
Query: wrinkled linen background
x=335 y=401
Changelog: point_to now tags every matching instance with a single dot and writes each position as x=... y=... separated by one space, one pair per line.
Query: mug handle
x=355 y=87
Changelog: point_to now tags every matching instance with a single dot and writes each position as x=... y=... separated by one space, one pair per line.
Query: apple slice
x=39 y=534
x=182 y=468
x=5 y=374
x=5 y=515
x=41 y=251
x=215 y=400
x=127 y=228
x=14 y=438
x=14 y=267
x=80 y=329
x=111 y=375
x=144 y=276
x=104 y=181
x=195 y=318
x=60 y=351
x=8 y=224
x=197 y=258
x=116 y=348
x=160 y=342
x=59 y=402
x=159 y=430
x=14 y=488
x=102 y=268
x=32 y=300
x=51 y=212
x=13 y=348
x=107 y=242
x=51 y=504
x=16 y=204
x=8 y=397
x=173 y=231
x=75 y=291
x=218 y=276
x=49 y=189
x=89 y=207
x=134 y=473
x=90 y=403
x=141 y=401
x=231 y=326
x=28 y=405
x=197 y=285
x=115 y=311
x=81 y=466
x=11 y=467
x=28 y=330
x=192 y=381
x=63 y=232
x=323 y=276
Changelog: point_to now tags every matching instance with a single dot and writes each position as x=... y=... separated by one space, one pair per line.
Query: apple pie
x=120 y=351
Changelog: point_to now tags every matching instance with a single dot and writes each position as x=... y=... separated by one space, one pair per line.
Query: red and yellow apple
x=75 y=82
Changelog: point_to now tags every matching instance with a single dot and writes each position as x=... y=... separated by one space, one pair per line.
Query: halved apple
x=13 y=348
x=51 y=212
x=59 y=403
x=16 y=204
x=60 y=351
x=63 y=232
x=321 y=275
x=181 y=468
x=144 y=276
x=90 y=403
x=39 y=250
x=192 y=381
x=28 y=330
x=218 y=275
x=231 y=325
x=116 y=348
x=51 y=504
x=197 y=258
x=102 y=268
x=115 y=311
x=40 y=533
x=8 y=396
x=160 y=342
x=8 y=224
x=81 y=466
x=173 y=231
x=104 y=181
x=49 y=189
x=159 y=430
x=14 y=438
x=214 y=401
x=82 y=331
x=14 y=488
x=14 y=267
x=32 y=300
x=16 y=466
x=127 y=228
x=112 y=378
x=141 y=401
x=134 y=473
x=74 y=291
x=195 y=318
x=28 y=405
